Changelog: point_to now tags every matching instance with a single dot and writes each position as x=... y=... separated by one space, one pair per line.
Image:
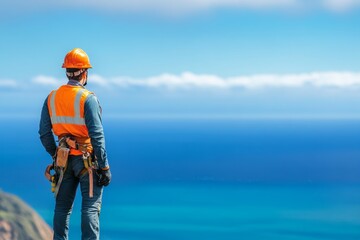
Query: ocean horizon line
x=166 y=116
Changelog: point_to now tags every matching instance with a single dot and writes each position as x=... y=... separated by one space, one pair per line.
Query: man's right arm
x=45 y=130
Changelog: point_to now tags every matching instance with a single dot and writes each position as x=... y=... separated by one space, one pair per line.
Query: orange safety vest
x=66 y=109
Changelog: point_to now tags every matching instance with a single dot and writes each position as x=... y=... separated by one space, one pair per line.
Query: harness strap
x=88 y=167
x=89 y=171
x=56 y=190
x=75 y=74
x=91 y=182
x=83 y=145
x=47 y=171
x=82 y=172
x=78 y=146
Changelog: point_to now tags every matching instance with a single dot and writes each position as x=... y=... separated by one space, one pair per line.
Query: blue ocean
x=254 y=179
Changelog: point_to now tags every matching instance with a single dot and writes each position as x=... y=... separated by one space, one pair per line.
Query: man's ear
x=84 y=75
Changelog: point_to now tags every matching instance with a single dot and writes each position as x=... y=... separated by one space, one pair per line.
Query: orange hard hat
x=76 y=58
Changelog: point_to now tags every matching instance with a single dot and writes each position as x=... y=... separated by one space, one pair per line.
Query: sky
x=199 y=58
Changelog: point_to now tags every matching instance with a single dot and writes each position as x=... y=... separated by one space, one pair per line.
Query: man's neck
x=75 y=83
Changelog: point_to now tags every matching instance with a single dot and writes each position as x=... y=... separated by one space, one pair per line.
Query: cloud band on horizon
x=180 y=7
x=8 y=83
x=188 y=80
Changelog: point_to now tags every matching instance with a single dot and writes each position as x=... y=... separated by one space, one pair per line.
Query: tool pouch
x=62 y=155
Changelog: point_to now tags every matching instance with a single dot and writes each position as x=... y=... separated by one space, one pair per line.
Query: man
x=73 y=114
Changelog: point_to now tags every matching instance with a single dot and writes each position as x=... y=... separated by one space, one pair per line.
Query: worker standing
x=73 y=114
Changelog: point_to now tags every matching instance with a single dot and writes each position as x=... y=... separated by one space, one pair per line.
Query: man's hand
x=104 y=177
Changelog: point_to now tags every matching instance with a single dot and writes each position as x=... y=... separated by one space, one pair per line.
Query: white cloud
x=164 y=6
x=317 y=79
x=46 y=81
x=185 y=80
x=98 y=80
x=341 y=5
x=190 y=80
x=179 y=6
x=8 y=83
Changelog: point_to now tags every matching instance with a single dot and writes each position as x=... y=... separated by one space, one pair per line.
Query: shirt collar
x=74 y=83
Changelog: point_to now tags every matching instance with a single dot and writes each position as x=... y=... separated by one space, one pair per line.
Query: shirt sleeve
x=93 y=122
x=45 y=130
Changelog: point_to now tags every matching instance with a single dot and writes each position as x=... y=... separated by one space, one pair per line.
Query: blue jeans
x=90 y=209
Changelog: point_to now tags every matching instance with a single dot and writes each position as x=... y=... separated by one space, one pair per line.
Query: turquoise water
x=268 y=180
x=227 y=212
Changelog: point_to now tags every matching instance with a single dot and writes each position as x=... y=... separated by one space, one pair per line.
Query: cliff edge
x=20 y=222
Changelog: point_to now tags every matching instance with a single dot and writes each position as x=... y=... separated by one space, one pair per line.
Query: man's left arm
x=93 y=122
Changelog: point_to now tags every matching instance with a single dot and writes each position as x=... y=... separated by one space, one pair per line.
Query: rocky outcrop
x=19 y=222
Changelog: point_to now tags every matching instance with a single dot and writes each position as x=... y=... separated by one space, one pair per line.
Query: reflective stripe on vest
x=77 y=119
x=66 y=109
